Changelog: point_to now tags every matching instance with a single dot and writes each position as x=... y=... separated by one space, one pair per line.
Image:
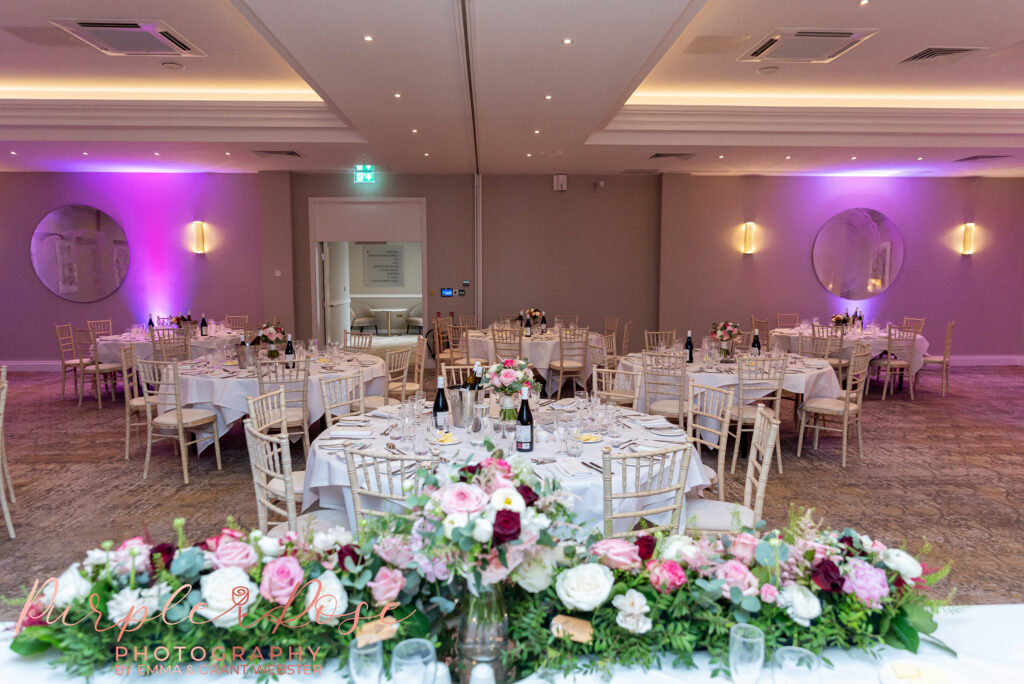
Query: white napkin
x=386 y=412
x=564 y=405
x=542 y=436
x=573 y=468
x=654 y=421
x=650 y=446
x=349 y=432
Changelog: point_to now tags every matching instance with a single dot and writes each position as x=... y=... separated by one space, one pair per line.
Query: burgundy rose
x=165 y=551
x=466 y=473
x=529 y=496
x=851 y=550
x=645 y=544
x=827 y=576
x=347 y=551
x=506 y=527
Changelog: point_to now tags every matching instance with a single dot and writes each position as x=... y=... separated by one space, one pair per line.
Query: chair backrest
x=603 y=354
x=761 y=378
x=572 y=345
x=236 y=322
x=470 y=321
x=171 y=344
x=274 y=374
x=856 y=376
x=760 y=325
x=458 y=333
x=611 y=325
x=664 y=377
x=358 y=341
x=82 y=339
x=396 y=365
x=455 y=375
x=164 y=321
x=743 y=342
x=65 y=341
x=442 y=338
x=102 y=327
x=711 y=407
x=416 y=310
x=128 y=374
x=267 y=411
x=901 y=342
x=827 y=340
x=508 y=318
x=916 y=323
x=567 y=320
x=762 y=446
x=418 y=360
x=787 y=320
x=617 y=386
x=805 y=345
x=381 y=477
x=658 y=339
x=948 y=347
x=271 y=459
x=626 y=329
x=641 y=476
x=160 y=386
x=251 y=332
x=343 y=391
x=189 y=328
x=508 y=343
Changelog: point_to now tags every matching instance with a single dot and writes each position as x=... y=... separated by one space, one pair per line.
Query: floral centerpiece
x=180 y=319
x=508 y=378
x=271 y=334
x=840 y=320
x=725 y=332
x=533 y=314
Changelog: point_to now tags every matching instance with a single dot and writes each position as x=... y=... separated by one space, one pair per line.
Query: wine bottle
x=475 y=378
x=543 y=323
x=440 y=410
x=203 y=328
x=528 y=332
x=689 y=346
x=289 y=354
x=755 y=346
x=188 y=315
x=150 y=324
x=524 y=424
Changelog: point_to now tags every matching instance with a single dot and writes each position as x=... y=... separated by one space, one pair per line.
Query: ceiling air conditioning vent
x=982 y=157
x=277 y=153
x=121 y=38
x=938 y=52
x=817 y=46
x=672 y=155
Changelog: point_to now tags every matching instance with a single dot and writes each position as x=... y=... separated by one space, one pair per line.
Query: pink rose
x=738 y=575
x=123 y=556
x=387 y=585
x=501 y=465
x=877 y=546
x=235 y=554
x=492 y=570
x=281 y=576
x=496 y=483
x=226 y=534
x=666 y=576
x=769 y=593
x=743 y=545
x=507 y=377
x=395 y=550
x=617 y=554
x=494 y=380
x=509 y=363
x=866 y=581
x=460 y=497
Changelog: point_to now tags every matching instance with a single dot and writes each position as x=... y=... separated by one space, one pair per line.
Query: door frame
x=320 y=232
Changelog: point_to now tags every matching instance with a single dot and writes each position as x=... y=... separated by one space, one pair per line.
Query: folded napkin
x=542 y=436
x=564 y=405
x=654 y=421
x=573 y=468
x=642 y=445
x=386 y=412
x=341 y=431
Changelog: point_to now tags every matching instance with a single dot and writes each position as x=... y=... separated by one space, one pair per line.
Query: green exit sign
x=364 y=173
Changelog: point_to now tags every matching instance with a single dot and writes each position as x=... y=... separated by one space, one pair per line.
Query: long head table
x=788 y=339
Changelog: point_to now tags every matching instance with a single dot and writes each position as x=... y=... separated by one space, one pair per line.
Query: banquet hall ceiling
x=495 y=87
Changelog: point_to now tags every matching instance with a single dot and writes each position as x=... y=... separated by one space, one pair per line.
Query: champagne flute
x=746 y=653
x=561 y=431
x=414 y=661
x=365 y=664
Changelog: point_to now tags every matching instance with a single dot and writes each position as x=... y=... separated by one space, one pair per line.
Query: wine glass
x=793 y=665
x=365 y=664
x=561 y=431
x=414 y=661
x=581 y=399
x=746 y=653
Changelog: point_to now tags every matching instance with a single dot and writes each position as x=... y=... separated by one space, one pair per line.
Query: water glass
x=561 y=432
x=581 y=399
x=613 y=421
x=746 y=653
x=793 y=665
x=420 y=397
x=480 y=429
x=366 y=664
x=414 y=661
x=421 y=439
x=508 y=427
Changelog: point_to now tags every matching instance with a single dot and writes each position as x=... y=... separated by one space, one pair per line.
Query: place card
x=377 y=630
x=577 y=629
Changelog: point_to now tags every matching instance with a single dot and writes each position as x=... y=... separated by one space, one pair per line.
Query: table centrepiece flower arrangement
x=271 y=334
x=725 y=332
x=839 y=320
x=533 y=314
x=508 y=377
x=180 y=319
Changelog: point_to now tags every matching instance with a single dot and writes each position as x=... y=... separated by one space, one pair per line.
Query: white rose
x=584 y=587
x=535 y=574
x=483 y=530
x=903 y=563
x=508 y=499
x=71 y=586
x=270 y=546
x=133 y=601
x=96 y=558
x=562 y=557
x=637 y=623
x=681 y=549
x=800 y=604
x=533 y=520
x=330 y=539
x=631 y=602
x=333 y=600
x=452 y=521
x=218 y=592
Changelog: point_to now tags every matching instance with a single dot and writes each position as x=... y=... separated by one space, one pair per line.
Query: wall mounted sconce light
x=199 y=237
x=968 y=246
x=748 y=237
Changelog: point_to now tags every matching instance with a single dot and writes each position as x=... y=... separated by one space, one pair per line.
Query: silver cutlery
x=390 y=446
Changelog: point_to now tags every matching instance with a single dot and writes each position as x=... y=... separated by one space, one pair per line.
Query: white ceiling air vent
x=945 y=53
x=681 y=156
x=277 y=153
x=121 y=38
x=817 y=46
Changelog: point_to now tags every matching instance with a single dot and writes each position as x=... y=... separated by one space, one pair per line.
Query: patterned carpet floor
x=950 y=470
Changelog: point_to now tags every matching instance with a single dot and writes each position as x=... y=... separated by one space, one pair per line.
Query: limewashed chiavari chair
x=508 y=343
x=274 y=374
x=460 y=343
x=846 y=411
x=236 y=322
x=69 y=360
x=470 y=321
x=455 y=375
x=5 y=472
x=169 y=344
x=251 y=332
x=358 y=341
x=161 y=386
x=419 y=358
x=787 y=320
x=444 y=350
x=567 y=320
x=941 y=361
x=626 y=329
x=611 y=325
x=134 y=402
x=97 y=371
x=3 y=494
x=508 y=319
x=664 y=381
x=655 y=340
x=708 y=412
x=760 y=384
x=827 y=343
x=899 y=355
x=916 y=323
x=102 y=327
x=641 y=476
x=572 y=356
x=396 y=368
x=704 y=515
x=742 y=343
x=271 y=462
x=760 y=326
x=343 y=397
x=617 y=386
x=268 y=413
x=164 y=321
x=381 y=477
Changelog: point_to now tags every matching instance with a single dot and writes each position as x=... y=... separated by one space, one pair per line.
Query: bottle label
x=524 y=437
x=441 y=420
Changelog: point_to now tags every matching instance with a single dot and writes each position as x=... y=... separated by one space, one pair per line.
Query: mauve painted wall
x=156 y=211
x=704 y=277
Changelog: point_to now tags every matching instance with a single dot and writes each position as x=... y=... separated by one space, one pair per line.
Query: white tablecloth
x=327 y=479
x=788 y=339
x=987 y=640
x=109 y=348
x=539 y=349
x=226 y=396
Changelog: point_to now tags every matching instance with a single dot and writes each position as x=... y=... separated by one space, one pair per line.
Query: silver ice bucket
x=460 y=403
x=246 y=355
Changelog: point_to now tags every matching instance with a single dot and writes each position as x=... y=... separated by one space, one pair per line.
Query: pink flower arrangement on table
x=509 y=376
x=271 y=333
x=725 y=331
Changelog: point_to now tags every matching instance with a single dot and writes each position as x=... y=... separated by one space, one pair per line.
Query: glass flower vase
x=508 y=407
x=725 y=350
x=483 y=632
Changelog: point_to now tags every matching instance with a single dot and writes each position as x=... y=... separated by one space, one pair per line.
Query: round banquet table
x=540 y=349
x=224 y=389
x=788 y=339
x=327 y=480
x=109 y=347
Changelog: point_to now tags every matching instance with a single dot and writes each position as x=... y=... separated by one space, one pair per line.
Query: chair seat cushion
x=363 y=321
x=137 y=404
x=397 y=385
x=315 y=521
x=414 y=320
x=103 y=368
x=666 y=407
x=749 y=412
x=276 y=485
x=293 y=416
x=190 y=417
x=566 y=365
x=77 y=362
x=835 y=363
x=377 y=402
x=830 y=406
x=933 y=359
x=890 y=362
x=482 y=362
x=412 y=387
x=722 y=516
